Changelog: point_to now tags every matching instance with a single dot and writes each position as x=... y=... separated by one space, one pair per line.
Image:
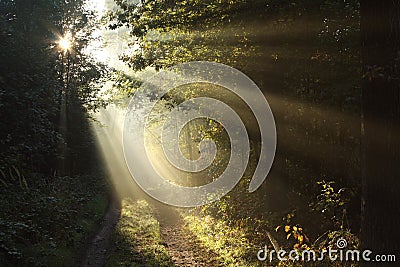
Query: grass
x=230 y=243
x=137 y=239
x=48 y=223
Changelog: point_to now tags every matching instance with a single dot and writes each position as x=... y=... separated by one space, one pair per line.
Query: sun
x=64 y=43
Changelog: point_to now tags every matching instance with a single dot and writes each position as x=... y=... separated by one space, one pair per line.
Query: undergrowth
x=231 y=243
x=47 y=221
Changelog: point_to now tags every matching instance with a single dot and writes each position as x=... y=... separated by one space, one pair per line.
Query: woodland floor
x=181 y=247
x=100 y=243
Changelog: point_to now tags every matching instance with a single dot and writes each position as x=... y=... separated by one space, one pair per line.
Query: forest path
x=183 y=248
x=100 y=243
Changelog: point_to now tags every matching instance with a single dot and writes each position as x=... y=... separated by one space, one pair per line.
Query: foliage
x=119 y=87
x=32 y=77
x=304 y=55
x=46 y=218
x=231 y=243
x=333 y=206
x=167 y=32
x=47 y=221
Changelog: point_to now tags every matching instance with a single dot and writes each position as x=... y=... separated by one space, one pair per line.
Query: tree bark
x=380 y=27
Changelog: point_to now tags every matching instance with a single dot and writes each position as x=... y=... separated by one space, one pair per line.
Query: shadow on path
x=100 y=243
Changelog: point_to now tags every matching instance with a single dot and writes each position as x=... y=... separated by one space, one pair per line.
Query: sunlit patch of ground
x=230 y=243
x=137 y=238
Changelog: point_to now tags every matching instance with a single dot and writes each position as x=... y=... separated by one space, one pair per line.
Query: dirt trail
x=183 y=247
x=98 y=246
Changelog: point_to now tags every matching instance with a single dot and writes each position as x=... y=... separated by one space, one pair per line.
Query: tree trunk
x=380 y=26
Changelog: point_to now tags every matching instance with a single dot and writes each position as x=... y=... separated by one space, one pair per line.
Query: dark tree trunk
x=380 y=26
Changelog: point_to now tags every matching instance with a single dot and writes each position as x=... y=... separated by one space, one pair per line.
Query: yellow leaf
x=277 y=228
x=287 y=237
x=287 y=228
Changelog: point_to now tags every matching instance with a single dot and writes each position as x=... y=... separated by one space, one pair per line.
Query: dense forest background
x=50 y=181
x=329 y=70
